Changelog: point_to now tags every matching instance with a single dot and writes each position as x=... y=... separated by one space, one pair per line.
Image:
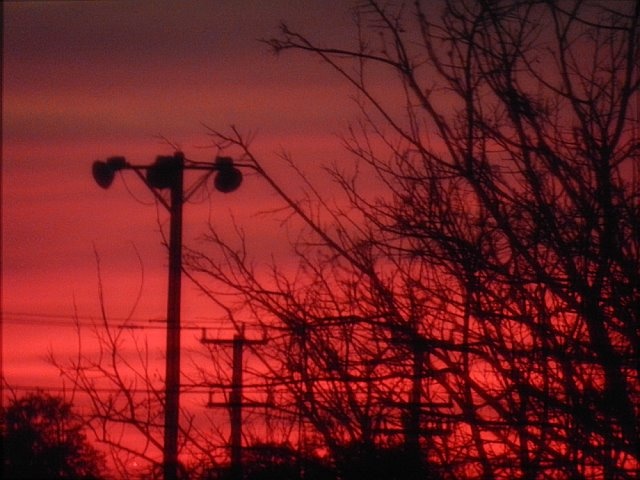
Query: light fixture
x=228 y=178
x=164 y=172
x=104 y=172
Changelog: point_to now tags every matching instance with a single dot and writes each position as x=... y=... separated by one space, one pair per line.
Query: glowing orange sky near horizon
x=86 y=80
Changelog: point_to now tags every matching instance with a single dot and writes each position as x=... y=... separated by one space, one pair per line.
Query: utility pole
x=414 y=405
x=172 y=365
x=418 y=417
x=236 y=401
x=168 y=173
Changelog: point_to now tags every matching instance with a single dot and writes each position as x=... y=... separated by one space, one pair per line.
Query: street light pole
x=172 y=366
x=168 y=172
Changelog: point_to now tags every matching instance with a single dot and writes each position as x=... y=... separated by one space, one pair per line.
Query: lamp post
x=167 y=172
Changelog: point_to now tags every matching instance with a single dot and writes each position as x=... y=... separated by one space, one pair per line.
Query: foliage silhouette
x=43 y=438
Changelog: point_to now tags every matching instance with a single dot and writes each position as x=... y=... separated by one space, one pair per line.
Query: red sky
x=86 y=80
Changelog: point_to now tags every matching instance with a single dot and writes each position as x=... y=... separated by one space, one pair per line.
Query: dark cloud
x=168 y=33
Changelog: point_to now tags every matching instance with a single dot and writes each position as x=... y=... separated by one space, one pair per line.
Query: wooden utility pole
x=236 y=401
x=419 y=417
x=172 y=367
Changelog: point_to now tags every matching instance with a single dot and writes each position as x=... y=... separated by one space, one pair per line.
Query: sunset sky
x=460 y=298
x=87 y=80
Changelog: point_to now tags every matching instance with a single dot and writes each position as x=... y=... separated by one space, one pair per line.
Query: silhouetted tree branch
x=117 y=373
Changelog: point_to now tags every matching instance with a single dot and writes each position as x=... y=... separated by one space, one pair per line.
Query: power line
x=62 y=323
x=75 y=316
x=184 y=389
x=62 y=320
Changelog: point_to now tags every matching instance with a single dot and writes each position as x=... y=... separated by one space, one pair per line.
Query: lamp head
x=164 y=172
x=228 y=178
x=104 y=172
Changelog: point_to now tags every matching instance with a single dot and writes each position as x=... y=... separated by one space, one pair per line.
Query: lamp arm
x=138 y=171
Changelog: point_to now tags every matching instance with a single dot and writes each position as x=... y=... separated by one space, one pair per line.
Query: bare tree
x=480 y=306
x=117 y=373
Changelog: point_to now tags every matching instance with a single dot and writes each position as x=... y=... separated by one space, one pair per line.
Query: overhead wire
x=73 y=320
x=185 y=388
